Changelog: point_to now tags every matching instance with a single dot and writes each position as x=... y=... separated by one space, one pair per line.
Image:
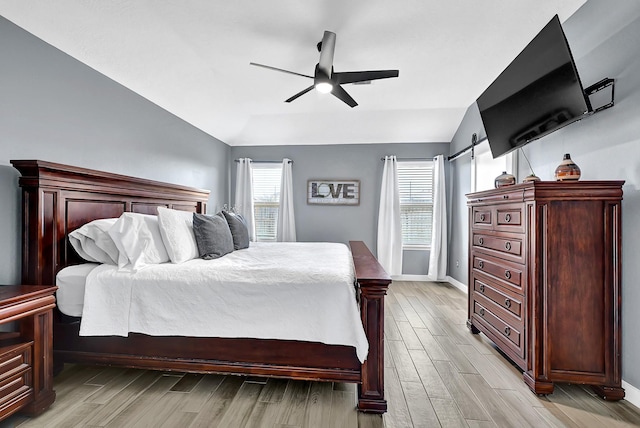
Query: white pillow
x=176 y=228
x=138 y=239
x=92 y=242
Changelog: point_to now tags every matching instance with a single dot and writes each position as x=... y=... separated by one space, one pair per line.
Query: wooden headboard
x=57 y=199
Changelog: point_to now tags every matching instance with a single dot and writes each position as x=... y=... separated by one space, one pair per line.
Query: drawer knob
x=481 y=264
x=481 y=217
x=507 y=274
x=505 y=196
x=482 y=288
x=507 y=245
x=507 y=218
x=507 y=303
x=480 y=241
x=507 y=331
x=481 y=312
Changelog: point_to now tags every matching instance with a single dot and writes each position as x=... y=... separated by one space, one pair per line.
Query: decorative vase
x=530 y=177
x=504 y=179
x=567 y=170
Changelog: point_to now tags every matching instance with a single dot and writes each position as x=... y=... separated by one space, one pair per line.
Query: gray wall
x=353 y=161
x=606 y=146
x=55 y=108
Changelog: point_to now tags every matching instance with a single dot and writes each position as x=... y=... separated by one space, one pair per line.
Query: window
x=486 y=168
x=415 y=183
x=266 y=199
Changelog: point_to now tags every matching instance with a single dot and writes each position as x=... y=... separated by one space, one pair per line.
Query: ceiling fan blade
x=328 y=47
x=279 y=69
x=343 y=96
x=363 y=76
x=299 y=94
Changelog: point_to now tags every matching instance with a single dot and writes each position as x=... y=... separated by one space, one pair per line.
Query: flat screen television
x=539 y=92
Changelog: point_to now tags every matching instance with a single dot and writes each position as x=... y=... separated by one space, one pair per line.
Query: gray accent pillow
x=213 y=236
x=239 y=230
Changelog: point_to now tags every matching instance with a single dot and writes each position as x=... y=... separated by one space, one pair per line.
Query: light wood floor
x=436 y=374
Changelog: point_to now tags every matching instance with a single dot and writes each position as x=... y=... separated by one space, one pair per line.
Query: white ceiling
x=191 y=57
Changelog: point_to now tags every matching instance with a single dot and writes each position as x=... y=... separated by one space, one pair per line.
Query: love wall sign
x=333 y=192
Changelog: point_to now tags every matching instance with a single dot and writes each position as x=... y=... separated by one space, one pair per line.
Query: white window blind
x=415 y=182
x=266 y=199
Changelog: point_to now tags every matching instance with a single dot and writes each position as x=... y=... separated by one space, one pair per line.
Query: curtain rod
x=265 y=161
x=411 y=159
x=474 y=142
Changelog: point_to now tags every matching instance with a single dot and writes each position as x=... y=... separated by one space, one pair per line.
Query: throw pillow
x=239 y=230
x=213 y=236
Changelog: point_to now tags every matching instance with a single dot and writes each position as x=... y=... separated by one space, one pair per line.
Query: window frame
x=491 y=167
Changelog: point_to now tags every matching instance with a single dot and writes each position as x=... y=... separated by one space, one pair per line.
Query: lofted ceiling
x=191 y=57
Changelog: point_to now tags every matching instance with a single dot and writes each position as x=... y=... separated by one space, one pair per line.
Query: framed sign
x=333 y=192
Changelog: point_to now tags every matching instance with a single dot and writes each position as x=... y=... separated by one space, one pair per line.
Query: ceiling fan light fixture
x=324 y=87
x=326 y=81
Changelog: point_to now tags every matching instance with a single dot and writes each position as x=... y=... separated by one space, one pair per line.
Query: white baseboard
x=631 y=394
x=404 y=277
x=425 y=278
x=460 y=286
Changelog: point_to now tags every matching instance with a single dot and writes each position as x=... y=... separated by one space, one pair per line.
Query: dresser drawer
x=510 y=302
x=482 y=217
x=504 y=217
x=508 y=247
x=510 y=275
x=498 y=196
x=497 y=328
x=509 y=218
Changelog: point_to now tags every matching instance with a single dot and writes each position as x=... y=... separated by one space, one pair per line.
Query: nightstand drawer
x=16 y=390
x=16 y=375
x=14 y=356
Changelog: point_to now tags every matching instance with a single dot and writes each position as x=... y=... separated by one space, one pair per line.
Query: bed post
x=373 y=282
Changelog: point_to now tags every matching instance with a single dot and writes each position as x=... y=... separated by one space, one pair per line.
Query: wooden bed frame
x=59 y=198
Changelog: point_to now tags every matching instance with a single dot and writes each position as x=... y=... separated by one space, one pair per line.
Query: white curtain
x=438 y=256
x=389 y=223
x=244 y=194
x=286 y=230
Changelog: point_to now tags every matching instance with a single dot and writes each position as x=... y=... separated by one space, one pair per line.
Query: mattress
x=71 y=282
x=288 y=291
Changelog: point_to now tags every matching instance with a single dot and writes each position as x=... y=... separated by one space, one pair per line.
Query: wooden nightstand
x=26 y=356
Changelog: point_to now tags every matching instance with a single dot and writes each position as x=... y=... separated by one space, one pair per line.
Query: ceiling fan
x=325 y=80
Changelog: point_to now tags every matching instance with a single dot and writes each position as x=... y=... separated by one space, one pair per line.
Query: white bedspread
x=292 y=291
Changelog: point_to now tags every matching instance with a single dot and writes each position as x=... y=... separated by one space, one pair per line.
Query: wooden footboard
x=373 y=282
x=59 y=198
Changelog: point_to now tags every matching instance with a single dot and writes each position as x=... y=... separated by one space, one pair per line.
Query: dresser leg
x=609 y=393
x=537 y=386
x=471 y=327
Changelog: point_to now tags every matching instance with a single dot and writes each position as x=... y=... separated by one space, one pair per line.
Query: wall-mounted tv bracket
x=596 y=87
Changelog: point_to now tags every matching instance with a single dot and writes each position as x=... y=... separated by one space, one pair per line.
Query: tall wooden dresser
x=544 y=280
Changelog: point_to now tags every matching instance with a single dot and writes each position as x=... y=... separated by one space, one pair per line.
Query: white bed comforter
x=291 y=291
